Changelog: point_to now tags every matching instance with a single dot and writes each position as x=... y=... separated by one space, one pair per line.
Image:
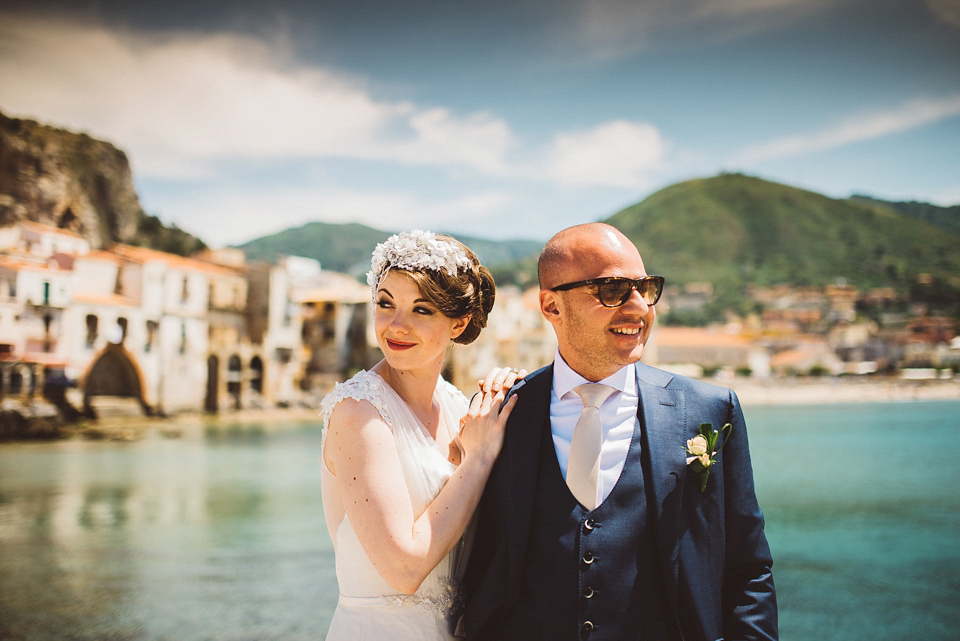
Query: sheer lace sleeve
x=364 y=386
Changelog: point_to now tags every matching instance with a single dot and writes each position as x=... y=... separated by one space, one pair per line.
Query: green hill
x=738 y=229
x=733 y=230
x=946 y=217
x=347 y=247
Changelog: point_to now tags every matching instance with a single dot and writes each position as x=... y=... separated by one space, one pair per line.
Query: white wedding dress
x=369 y=609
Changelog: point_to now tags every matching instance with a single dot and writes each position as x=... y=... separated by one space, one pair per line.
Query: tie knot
x=593 y=394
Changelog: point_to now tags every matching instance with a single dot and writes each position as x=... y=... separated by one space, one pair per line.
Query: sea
x=219 y=534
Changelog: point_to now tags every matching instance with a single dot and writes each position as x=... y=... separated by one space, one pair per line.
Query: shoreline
x=839 y=390
x=751 y=393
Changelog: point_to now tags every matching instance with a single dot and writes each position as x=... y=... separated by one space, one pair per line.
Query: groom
x=593 y=525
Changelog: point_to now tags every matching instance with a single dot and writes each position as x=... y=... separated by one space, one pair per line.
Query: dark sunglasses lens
x=616 y=293
x=650 y=290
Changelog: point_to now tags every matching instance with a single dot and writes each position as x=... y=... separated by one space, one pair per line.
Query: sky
x=494 y=119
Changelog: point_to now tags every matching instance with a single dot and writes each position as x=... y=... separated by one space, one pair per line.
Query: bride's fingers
x=513 y=375
x=475 y=402
x=489 y=382
x=500 y=377
x=491 y=399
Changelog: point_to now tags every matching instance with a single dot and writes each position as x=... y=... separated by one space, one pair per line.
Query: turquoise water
x=219 y=535
x=863 y=515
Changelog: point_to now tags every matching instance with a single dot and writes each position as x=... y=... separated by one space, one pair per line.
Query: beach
x=751 y=392
x=783 y=391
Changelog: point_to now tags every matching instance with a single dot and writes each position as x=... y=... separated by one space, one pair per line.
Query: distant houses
x=130 y=326
x=130 y=329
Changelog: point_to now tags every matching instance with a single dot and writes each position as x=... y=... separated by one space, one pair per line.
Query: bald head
x=575 y=252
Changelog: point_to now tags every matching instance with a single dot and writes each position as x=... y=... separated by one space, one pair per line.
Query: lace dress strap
x=363 y=386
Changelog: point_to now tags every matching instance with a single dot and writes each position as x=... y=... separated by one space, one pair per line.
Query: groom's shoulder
x=670 y=380
x=531 y=383
x=539 y=375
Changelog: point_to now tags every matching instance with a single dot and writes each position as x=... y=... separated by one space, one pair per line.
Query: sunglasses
x=614 y=292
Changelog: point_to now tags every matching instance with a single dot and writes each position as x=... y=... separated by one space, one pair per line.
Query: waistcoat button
x=588 y=558
x=588 y=592
x=586 y=629
x=588 y=524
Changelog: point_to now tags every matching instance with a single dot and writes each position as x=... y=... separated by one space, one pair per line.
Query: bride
x=405 y=456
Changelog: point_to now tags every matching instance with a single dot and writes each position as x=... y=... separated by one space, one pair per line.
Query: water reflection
x=217 y=535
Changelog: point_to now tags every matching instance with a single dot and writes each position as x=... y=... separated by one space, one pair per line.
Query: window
x=91 y=330
x=47 y=341
x=152 y=328
x=118 y=283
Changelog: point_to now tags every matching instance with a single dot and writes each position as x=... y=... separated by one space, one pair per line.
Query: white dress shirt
x=617 y=417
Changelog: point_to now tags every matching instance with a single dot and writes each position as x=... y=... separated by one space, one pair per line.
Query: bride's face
x=411 y=332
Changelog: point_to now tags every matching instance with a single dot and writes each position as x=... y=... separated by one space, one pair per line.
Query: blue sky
x=495 y=119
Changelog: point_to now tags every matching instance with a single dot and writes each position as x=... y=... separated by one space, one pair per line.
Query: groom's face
x=594 y=340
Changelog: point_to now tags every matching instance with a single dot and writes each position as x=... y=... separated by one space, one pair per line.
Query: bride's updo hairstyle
x=447 y=273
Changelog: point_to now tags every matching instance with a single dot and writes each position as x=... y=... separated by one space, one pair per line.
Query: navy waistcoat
x=591 y=574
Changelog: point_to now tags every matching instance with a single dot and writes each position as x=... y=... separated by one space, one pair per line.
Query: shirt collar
x=565 y=378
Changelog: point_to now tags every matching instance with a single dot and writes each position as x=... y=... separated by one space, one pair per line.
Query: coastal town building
x=516 y=335
x=711 y=348
x=129 y=329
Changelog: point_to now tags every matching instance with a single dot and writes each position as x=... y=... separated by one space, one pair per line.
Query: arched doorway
x=235 y=379
x=113 y=374
x=256 y=375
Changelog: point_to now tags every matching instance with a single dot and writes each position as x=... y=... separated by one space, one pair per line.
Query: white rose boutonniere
x=703 y=449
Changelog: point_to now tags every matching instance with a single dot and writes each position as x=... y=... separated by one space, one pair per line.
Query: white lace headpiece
x=414 y=251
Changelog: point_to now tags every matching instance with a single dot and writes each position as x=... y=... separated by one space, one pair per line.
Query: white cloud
x=614 y=154
x=179 y=103
x=480 y=140
x=910 y=115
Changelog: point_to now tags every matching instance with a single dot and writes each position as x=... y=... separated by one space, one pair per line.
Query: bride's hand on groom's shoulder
x=500 y=378
x=482 y=428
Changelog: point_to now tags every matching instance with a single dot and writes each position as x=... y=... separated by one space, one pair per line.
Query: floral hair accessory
x=703 y=449
x=414 y=251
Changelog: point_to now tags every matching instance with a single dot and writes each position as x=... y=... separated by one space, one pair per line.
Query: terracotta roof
x=104 y=256
x=13 y=262
x=790 y=357
x=143 y=255
x=698 y=337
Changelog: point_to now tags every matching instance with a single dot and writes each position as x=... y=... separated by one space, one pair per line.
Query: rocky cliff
x=75 y=182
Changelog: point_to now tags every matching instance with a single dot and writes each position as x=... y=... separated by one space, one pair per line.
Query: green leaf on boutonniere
x=703 y=449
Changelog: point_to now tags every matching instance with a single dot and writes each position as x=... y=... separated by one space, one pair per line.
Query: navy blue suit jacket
x=713 y=554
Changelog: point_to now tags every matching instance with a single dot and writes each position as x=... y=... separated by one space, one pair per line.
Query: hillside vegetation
x=730 y=230
x=945 y=217
x=733 y=230
x=347 y=247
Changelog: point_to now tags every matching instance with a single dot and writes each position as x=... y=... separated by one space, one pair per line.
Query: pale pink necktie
x=583 y=468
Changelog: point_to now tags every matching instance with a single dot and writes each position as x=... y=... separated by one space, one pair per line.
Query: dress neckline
x=443 y=419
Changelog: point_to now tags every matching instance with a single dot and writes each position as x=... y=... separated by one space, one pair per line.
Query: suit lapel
x=664 y=414
x=525 y=430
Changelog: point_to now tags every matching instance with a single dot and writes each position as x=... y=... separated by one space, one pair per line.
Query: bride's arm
x=405 y=547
